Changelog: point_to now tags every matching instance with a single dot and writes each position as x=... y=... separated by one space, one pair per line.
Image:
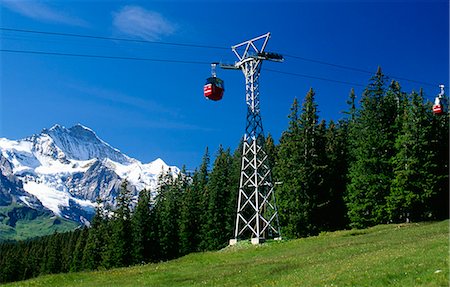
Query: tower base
x=258 y=240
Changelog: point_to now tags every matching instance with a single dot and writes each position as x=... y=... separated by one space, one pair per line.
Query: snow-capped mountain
x=67 y=169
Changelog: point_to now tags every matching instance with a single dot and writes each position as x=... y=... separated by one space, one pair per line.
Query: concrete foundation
x=233 y=241
x=259 y=240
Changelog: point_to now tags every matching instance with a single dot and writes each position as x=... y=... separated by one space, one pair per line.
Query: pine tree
x=77 y=260
x=68 y=250
x=286 y=171
x=372 y=139
x=217 y=228
x=351 y=102
x=200 y=185
x=189 y=220
x=92 y=254
x=168 y=213
x=52 y=262
x=312 y=166
x=301 y=170
x=321 y=187
x=235 y=175
x=191 y=212
x=337 y=151
x=271 y=150
x=120 y=247
x=142 y=223
x=438 y=204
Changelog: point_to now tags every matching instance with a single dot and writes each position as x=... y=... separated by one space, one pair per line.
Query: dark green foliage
x=120 y=250
x=168 y=214
x=332 y=210
x=286 y=171
x=301 y=170
x=142 y=231
x=95 y=242
x=271 y=150
x=77 y=261
x=372 y=138
x=218 y=225
x=192 y=209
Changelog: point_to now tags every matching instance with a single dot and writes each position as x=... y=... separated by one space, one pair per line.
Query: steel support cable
x=104 y=57
x=355 y=69
x=113 y=38
x=176 y=62
x=313 y=77
x=205 y=47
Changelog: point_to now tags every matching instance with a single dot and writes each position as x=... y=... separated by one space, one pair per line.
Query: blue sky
x=157 y=109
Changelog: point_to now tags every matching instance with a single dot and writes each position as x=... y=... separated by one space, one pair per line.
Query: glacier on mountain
x=67 y=169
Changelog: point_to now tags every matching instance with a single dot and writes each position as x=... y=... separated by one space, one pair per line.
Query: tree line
x=386 y=161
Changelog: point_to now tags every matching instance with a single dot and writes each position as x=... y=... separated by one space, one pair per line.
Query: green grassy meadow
x=39 y=225
x=415 y=254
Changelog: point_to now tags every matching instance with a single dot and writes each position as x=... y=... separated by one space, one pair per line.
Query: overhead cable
x=103 y=57
x=113 y=38
x=350 y=68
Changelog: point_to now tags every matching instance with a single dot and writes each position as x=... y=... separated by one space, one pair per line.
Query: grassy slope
x=385 y=255
x=27 y=228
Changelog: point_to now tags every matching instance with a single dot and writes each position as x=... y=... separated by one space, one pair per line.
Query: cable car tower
x=256 y=214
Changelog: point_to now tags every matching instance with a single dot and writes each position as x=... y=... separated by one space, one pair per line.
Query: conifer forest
x=385 y=161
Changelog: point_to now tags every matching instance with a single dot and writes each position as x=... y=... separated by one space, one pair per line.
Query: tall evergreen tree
x=219 y=191
x=312 y=166
x=168 y=213
x=142 y=222
x=235 y=175
x=217 y=228
x=372 y=138
x=92 y=254
x=120 y=246
x=301 y=170
x=438 y=205
x=77 y=261
x=286 y=171
x=271 y=150
x=351 y=102
x=334 y=211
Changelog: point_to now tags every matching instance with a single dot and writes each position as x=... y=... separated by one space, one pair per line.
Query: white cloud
x=139 y=22
x=41 y=12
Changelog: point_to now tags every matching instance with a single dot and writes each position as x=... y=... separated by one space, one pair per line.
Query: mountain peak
x=55 y=128
x=81 y=143
x=77 y=131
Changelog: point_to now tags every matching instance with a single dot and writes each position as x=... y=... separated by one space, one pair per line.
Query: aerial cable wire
x=354 y=69
x=114 y=38
x=168 y=61
x=104 y=57
x=164 y=61
x=313 y=77
x=199 y=46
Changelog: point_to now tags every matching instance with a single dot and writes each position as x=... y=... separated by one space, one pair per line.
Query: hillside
x=19 y=222
x=413 y=254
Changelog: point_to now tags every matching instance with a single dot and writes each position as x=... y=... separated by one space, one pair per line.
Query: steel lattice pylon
x=256 y=215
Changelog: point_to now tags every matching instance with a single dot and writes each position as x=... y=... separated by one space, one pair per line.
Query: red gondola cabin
x=214 y=89
x=437 y=109
x=440 y=105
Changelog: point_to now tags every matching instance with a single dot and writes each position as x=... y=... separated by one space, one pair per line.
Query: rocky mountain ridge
x=65 y=170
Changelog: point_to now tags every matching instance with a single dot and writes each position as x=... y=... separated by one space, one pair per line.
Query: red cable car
x=437 y=109
x=214 y=86
x=440 y=103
